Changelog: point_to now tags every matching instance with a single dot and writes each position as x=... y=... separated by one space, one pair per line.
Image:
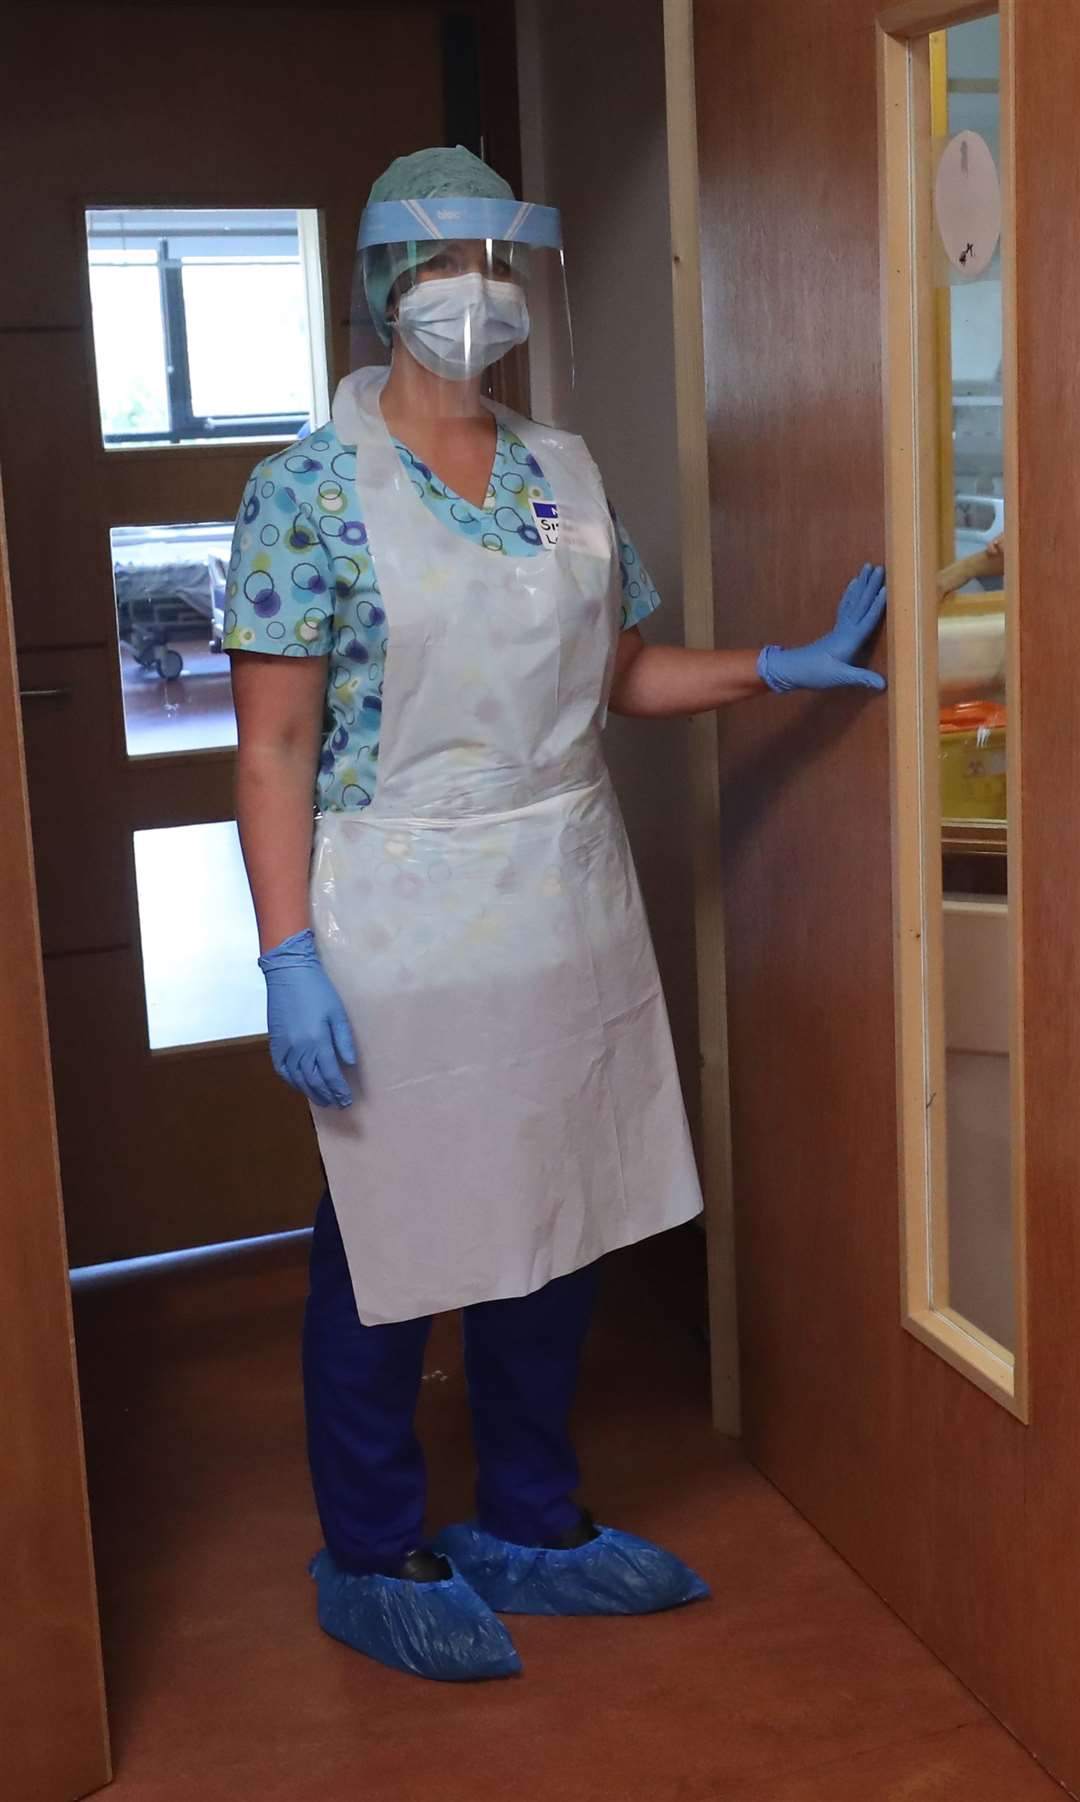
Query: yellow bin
x=974 y=785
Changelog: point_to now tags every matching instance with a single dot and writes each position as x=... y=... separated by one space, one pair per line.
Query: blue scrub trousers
x=361 y=1386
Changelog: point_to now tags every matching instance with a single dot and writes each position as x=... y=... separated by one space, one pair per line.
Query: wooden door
x=943 y=1465
x=185 y=1137
x=53 y=1737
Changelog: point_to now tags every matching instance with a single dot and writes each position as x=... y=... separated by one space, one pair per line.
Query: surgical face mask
x=457 y=325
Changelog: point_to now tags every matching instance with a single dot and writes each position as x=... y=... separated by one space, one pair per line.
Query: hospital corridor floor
x=795 y=1684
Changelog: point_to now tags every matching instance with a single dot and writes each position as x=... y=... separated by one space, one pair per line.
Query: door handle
x=44 y=694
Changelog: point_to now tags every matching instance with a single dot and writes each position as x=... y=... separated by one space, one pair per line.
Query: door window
x=208 y=325
x=953 y=602
x=169 y=583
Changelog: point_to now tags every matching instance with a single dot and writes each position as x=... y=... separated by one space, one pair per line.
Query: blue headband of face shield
x=396 y=235
x=446 y=216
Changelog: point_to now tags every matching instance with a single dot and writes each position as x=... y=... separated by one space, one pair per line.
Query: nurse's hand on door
x=310 y=1035
x=830 y=661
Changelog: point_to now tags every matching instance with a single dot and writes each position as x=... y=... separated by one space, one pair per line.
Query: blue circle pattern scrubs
x=301 y=580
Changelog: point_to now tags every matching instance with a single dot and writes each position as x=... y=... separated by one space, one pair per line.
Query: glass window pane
x=950 y=253
x=208 y=324
x=975 y=1274
x=966 y=103
x=199 y=937
x=129 y=343
x=973 y=1269
x=247 y=338
x=170 y=615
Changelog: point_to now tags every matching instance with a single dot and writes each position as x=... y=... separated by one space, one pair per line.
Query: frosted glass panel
x=199 y=937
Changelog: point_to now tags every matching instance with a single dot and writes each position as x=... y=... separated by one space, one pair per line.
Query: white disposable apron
x=517 y=1107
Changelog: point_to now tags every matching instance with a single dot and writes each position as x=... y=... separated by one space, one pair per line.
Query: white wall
x=594 y=144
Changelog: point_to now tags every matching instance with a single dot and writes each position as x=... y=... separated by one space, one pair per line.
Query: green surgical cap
x=428 y=173
x=424 y=175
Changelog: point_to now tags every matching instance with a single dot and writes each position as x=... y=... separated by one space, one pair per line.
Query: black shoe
x=421 y=1565
x=575 y=1536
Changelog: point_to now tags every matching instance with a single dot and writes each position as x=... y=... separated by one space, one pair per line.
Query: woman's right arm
x=279 y=714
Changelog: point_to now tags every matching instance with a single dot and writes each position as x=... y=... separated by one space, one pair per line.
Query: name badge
x=546 y=519
x=583 y=532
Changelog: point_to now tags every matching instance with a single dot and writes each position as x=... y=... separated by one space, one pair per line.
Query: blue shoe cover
x=615 y=1573
x=439 y=1630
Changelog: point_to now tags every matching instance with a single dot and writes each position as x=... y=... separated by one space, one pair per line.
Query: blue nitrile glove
x=827 y=663
x=308 y=1026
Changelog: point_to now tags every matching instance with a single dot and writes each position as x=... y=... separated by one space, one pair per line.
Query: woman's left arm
x=654 y=681
x=660 y=680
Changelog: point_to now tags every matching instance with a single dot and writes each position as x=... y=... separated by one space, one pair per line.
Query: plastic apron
x=517 y=1106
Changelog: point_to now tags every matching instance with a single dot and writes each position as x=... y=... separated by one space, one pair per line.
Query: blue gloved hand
x=827 y=663
x=308 y=1026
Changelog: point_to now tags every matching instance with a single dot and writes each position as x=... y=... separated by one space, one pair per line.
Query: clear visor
x=467 y=319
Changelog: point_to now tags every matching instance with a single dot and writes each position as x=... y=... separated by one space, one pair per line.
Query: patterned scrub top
x=301 y=581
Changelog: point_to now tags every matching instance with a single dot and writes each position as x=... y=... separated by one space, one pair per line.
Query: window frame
x=913 y=506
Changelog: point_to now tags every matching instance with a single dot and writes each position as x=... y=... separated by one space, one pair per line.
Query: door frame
x=703 y=758
x=53 y=1724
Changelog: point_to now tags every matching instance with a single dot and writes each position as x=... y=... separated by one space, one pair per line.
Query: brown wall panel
x=181 y=791
x=126 y=1114
x=76 y=765
x=61 y=576
x=177 y=487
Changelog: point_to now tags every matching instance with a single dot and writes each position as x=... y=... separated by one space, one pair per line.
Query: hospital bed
x=170 y=587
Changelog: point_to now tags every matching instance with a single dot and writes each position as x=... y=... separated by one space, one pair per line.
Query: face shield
x=471 y=292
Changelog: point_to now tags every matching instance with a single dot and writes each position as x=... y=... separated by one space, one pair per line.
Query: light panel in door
x=199 y=938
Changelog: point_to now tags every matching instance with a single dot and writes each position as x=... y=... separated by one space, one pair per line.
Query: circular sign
x=967 y=203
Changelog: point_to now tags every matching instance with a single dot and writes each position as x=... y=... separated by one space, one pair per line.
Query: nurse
x=432 y=608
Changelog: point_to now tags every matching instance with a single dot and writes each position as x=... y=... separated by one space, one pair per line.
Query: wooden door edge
x=95 y=1758
x=704 y=765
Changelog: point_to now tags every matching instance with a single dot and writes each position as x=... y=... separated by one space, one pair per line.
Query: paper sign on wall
x=967 y=203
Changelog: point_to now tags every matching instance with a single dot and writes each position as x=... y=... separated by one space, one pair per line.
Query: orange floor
x=795 y=1684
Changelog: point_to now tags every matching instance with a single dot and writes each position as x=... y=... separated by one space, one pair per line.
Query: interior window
x=207 y=324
